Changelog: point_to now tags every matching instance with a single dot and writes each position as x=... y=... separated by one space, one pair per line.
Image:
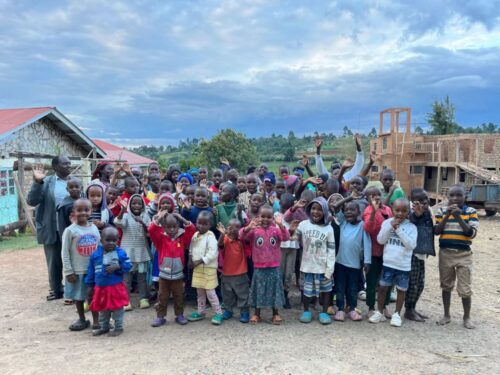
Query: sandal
x=255 y=319
x=79 y=325
x=277 y=320
x=68 y=302
x=54 y=296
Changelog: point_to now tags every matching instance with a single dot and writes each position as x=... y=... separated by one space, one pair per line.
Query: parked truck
x=486 y=197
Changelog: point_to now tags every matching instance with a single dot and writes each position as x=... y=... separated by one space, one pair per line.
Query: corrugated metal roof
x=12 y=118
x=114 y=152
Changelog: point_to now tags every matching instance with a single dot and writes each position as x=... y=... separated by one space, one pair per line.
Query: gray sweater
x=78 y=244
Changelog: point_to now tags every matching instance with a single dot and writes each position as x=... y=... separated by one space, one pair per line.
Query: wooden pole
x=25 y=205
x=13 y=226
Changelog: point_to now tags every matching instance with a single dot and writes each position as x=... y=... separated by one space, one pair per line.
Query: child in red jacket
x=373 y=217
x=170 y=242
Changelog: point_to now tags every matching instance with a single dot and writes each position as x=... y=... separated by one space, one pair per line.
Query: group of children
x=240 y=240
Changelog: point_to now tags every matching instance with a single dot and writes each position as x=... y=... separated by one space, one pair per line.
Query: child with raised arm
x=203 y=254
x=457 y=226
x=134 y=222
x=266 y=290
x=421 y=216
x=391 y=191
x=399 y=237
x=318 y=258
x=170 y=242
x=79 y=241
x=235 y=287
x=65 y=208
x=105 y=285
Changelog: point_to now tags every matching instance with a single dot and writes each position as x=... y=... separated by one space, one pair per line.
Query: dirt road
x=35 y=339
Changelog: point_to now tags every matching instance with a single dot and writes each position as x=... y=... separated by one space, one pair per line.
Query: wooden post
x=20 y=210
x=438 y=181
x=25 y=205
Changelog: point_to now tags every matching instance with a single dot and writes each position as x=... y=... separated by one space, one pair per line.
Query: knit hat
x=186 y=175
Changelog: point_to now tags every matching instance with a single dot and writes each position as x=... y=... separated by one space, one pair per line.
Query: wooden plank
x=12 y=226
x=26 y=207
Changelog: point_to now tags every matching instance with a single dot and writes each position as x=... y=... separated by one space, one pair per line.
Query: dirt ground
x=35 y=338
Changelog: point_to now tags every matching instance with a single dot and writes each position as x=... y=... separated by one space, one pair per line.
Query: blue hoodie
x=96 y=272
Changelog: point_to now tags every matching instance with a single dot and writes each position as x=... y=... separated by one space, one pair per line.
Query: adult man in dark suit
x=46 y=193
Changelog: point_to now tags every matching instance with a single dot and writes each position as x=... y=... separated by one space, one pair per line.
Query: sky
x=154 y=72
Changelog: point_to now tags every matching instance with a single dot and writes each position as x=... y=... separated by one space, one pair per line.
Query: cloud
x=159 y=71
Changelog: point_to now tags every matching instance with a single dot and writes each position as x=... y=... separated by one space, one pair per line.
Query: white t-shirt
x=318 y=245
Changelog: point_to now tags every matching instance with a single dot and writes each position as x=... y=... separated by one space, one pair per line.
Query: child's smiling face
x=226 y=194
x=233 y=228
x=317 y=213
x=400 y=209
x=202 y=175
x=136 y=205
x=111 y=194
x=256 y=201
x=217 y=178
x=387 y=179
x=109 y=238
x=203 y=224
x=280 y=188
x=190 y=191
x=201 y=197
x=356 y=183
x=242 y=184
x=166 y=205
x=351 y=212
x=82 y=209
x=154 y=181
x=252 y=184
x=456 y=195
x=266 y=216
x=74 y=188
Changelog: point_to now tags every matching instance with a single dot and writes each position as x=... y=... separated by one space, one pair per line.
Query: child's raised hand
x=348 y=163
x=375 y=204
x=204 y=183
x=373 y=157
x=126 y=169
x=355 y=194
x=318 y=142
x=215 y=211
x=224 y=161
x=271 y=199
x=178 y=188
x=294 y=225
x=240 y=208
x=278 y=219
x=357 y=139
x=123 y=206
x=301 y=203
x=221 y=228
x=305 y=160
x=98 y=224
x=187 y=203
x=254 y=223
x=418 y=208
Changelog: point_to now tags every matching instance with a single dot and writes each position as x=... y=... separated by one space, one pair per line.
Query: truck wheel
x=491 y=212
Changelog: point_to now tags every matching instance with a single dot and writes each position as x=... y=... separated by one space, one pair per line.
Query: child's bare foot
x=444 y=320
x=412 y=315
x=468 y=324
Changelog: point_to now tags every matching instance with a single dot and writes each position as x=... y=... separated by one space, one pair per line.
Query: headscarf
x=269 y=176
x=324 y=206
x=99 y=167
x=194 y=171
x=166 y=197
x=186 y=175
x=299 y=170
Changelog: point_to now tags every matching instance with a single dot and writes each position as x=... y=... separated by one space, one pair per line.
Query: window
x=489 y=144
x=384 y=143
x=374 y=146
x=374 y=168
x=429 y=173
x=444 y=173
x=384 y=167
x=416 y=169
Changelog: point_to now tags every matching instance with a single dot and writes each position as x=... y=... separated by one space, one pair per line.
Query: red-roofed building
x=41 y=131
x=114 y=152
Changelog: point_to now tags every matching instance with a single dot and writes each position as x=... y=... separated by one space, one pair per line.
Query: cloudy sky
x=153 y=72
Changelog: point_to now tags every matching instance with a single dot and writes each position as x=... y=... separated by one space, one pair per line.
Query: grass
x=20 y=242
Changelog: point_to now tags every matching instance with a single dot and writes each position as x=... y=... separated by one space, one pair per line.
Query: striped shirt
x=453 y=236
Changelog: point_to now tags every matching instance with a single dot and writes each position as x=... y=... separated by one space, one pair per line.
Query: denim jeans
x=346 y=282
x=104 y=317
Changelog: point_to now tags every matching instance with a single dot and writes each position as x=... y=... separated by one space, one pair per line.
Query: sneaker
x=144 y=303
x=195 y=316
x=396 y=320
x=244 y=317
x=377 y=317
x=306 y=317
x=128 y=307
x=217 y=319
x=325 y=319
x=227 y=315
x=394 y=296
x=158 y=322
x=181 y=320
x=340 y=316
x=362 y=295
x=355 y=316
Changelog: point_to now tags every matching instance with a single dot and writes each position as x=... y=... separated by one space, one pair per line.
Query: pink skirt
x=109 y=298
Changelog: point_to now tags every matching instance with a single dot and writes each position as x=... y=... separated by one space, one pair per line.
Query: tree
x=235 y=147
x=442 y=117
x=489 y=128
x=289 y=152
x=419 y=130
x=347 y=131
x=372 y=133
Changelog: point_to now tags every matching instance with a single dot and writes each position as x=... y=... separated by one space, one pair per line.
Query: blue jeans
x=104 y=317
x=391 y=276
x=346 y=283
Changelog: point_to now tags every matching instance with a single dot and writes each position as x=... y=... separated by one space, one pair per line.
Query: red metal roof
x=12 y=118
x=114 y=152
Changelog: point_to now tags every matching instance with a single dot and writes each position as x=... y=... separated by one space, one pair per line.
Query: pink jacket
x=265 y=244
x=373 y=227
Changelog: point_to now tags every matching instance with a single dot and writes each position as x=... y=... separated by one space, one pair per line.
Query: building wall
x=42 y=136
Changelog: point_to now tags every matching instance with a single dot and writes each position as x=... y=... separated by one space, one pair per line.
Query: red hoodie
x=168 y=247
x=373 y=227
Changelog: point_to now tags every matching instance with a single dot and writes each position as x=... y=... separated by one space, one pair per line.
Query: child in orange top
x=235 y=285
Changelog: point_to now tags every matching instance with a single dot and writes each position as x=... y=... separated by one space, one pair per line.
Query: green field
x=19 y=242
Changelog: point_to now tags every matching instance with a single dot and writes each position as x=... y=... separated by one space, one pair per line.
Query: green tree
x=419 y=130
x=347 y=131
x=289 y=152
x=372 y=133
x=235 y=147
x=442 y=117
